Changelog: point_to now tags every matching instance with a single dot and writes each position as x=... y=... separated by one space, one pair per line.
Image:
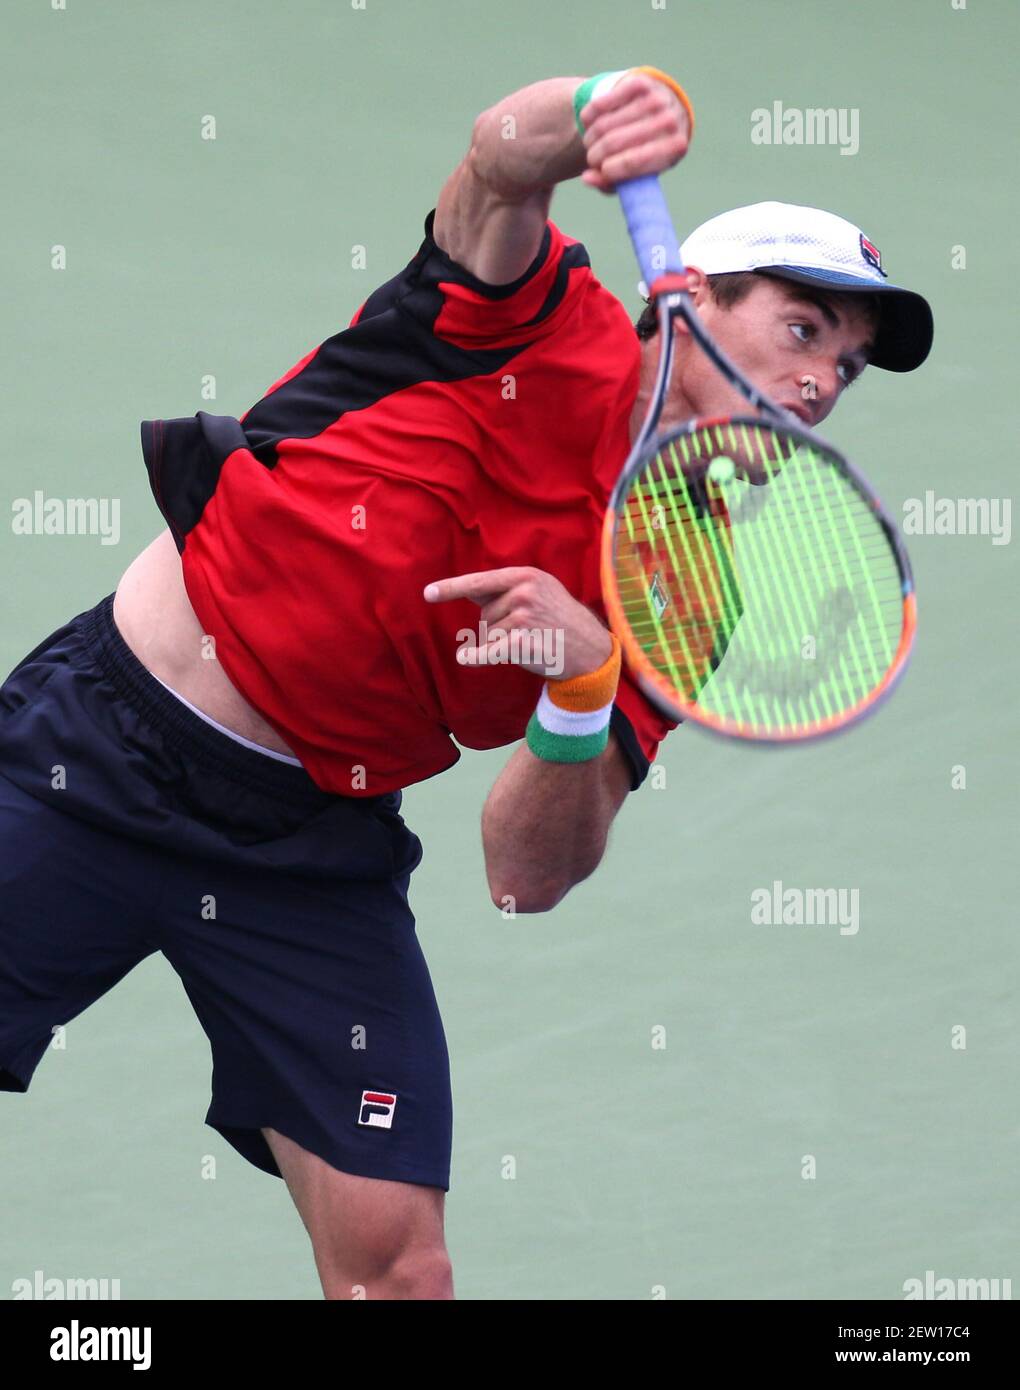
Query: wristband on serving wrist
x=603 y=82
x=571 y=722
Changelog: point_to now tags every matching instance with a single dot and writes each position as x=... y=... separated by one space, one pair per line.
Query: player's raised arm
x=493 y=208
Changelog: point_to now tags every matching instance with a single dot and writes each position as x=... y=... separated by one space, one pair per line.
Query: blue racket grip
x=651 y=227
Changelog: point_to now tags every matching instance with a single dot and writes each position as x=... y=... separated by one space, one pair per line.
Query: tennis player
x=395 y=548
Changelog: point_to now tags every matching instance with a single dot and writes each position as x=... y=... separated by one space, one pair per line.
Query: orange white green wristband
x=571 y=722
x=604 y=81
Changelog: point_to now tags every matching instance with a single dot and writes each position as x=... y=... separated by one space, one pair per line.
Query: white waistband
x=247 y=743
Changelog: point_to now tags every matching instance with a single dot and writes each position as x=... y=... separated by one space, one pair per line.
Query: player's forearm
x=545 y=826
x=529 y=140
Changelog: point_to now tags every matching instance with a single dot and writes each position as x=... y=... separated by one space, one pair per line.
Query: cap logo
x=871 y=254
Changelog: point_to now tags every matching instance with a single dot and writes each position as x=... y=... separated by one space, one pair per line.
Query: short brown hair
x=731 y=288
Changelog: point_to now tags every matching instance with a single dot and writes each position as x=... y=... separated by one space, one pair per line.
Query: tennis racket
x=754 y=580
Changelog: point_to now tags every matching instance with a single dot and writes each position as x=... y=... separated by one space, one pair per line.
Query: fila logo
x=871 y=254
x=377 y=1109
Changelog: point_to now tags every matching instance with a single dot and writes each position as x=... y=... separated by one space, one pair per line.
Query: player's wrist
x=571 y=721
x=604 y=82
x=592 y=87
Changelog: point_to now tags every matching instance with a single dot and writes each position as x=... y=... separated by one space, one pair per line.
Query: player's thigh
x=73 y=921
x=360 y=1227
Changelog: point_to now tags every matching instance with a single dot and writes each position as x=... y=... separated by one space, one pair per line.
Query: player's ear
x=697 y=283
x=697 y=286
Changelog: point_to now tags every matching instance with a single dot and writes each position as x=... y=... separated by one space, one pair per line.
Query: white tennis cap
x=814 y=247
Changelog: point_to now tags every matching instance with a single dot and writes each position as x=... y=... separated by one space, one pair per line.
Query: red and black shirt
x=454 y=426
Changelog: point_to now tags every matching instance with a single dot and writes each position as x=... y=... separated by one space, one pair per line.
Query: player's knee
x=423 y=1274
x=418 y=1272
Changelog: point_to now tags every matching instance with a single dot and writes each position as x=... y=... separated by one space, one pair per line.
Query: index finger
x=480 y=587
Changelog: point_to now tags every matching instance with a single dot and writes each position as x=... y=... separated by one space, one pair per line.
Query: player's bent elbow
x=537 y=897
x=533 y=899
x=480 y=158
x=486 y=163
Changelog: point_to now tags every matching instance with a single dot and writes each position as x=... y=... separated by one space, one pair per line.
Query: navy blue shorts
x=128 y=825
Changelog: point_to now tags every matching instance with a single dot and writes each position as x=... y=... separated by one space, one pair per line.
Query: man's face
x=802 y=351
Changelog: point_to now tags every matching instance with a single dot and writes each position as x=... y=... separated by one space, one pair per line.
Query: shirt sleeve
x=468 y=313
x=639 y=726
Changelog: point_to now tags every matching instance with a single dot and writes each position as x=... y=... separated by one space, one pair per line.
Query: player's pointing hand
x=529 y=619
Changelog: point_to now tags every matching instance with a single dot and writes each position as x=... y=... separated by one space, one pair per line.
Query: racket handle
x=650 y=226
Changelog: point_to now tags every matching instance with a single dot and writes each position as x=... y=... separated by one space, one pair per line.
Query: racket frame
x=672 y=300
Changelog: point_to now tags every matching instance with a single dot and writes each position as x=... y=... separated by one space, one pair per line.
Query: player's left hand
x=557 y=637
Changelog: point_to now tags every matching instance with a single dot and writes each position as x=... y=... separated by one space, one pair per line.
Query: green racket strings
x=757 y=580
